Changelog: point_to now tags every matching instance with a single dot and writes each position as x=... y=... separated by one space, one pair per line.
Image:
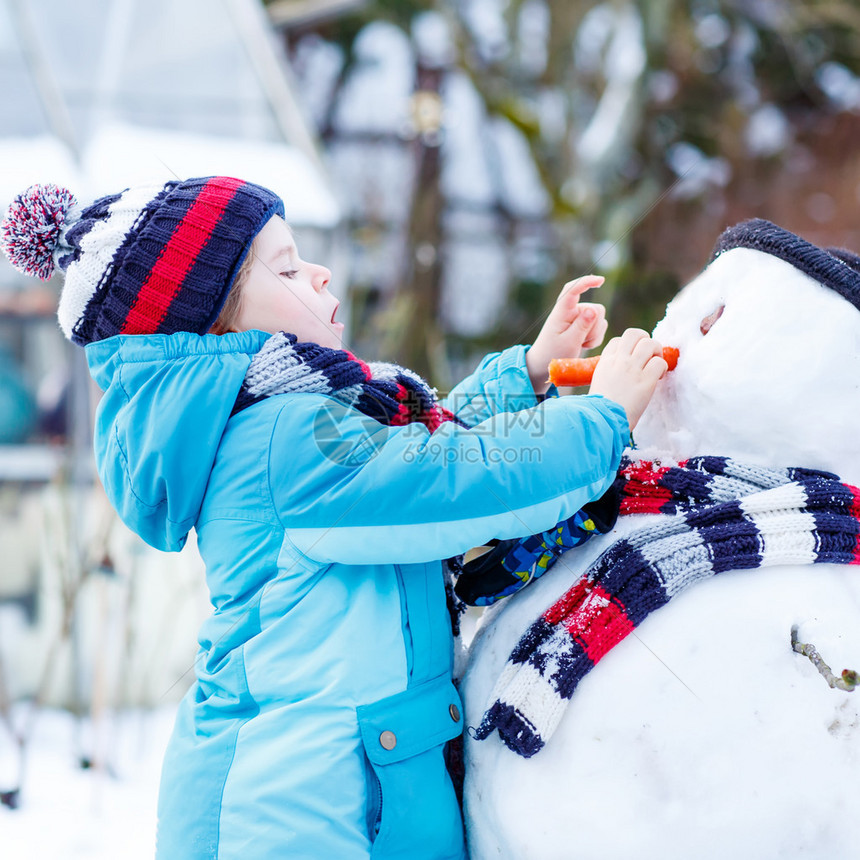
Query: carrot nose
x=579 y=371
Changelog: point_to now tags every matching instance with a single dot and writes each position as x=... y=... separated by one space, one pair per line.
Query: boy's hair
x=229 y=314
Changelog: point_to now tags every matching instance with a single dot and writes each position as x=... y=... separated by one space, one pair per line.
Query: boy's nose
x=322 y=277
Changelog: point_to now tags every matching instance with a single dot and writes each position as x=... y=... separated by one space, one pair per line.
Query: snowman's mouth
x=708 y=322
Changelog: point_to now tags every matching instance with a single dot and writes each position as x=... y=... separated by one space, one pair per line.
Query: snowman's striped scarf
x=723 y=515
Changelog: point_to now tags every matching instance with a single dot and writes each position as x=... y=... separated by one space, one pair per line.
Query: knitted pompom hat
x=153 y=259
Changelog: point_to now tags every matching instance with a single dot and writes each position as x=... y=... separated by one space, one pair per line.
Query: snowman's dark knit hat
x=833 y=267
x=154 y=259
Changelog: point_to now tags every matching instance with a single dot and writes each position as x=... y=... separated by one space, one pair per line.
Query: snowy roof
x=140 y=90
x=121 y=155
x=148 y=62
x=26 y=160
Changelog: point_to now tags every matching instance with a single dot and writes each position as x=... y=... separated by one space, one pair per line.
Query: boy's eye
x=290 y=273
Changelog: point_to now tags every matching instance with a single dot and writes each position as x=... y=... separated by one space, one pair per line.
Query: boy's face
x=284 y=293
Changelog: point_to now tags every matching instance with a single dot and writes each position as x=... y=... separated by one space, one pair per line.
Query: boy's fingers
x=656 y=368
x=586 y=316
x=631 y=338
x=580 y=285
x=598 y=332
x=598 y=326
x=646 y=349
x=598 y=310
x=612 y=347
x=568 y=310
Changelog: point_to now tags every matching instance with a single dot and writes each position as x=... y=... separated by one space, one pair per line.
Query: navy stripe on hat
x=101 y=317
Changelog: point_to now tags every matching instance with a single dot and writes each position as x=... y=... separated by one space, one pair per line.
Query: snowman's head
x=769 y=371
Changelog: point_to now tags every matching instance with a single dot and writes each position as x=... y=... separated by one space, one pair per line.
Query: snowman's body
x=702 y=734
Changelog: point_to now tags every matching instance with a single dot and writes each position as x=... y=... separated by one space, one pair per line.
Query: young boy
x=323 y=696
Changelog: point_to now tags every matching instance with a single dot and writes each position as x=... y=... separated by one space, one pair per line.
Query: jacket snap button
x=388 y=740
x=454 y=711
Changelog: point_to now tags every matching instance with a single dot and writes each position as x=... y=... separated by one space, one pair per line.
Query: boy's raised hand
x=570 y=327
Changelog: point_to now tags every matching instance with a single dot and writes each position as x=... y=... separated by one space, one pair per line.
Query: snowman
x=644 y=698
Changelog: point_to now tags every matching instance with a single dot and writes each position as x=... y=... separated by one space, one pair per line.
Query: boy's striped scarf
x=723 y=515
x=387 y=392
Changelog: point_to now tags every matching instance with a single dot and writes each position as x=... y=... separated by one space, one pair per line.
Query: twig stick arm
x=849 y=680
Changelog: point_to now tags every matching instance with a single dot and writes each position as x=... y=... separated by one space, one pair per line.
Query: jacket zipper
x=378 y=820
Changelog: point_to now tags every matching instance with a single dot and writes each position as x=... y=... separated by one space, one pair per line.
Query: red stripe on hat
x=179 y=255
x=592 y=618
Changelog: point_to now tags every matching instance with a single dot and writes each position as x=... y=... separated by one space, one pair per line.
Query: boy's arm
x=500 y=383
x=507 y=381
x=368 y=493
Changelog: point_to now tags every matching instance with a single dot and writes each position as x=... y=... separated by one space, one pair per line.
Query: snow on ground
x=70 y=812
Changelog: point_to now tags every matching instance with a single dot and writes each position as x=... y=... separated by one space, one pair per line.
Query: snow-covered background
x=100 y=812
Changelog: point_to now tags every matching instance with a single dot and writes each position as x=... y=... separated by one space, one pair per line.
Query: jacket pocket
x=404 y=736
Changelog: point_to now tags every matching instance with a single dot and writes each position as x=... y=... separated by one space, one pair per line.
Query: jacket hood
x=167 y=400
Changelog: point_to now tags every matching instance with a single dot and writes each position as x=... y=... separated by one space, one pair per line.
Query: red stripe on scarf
x=404 y=414
x=179 y=255
x=402 y=417
x=592 y=617
x=364 y=366
x=436 y=418
x=644 y=492
x=855 y=512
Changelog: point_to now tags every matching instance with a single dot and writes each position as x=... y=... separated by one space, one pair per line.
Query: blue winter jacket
x=323 y=699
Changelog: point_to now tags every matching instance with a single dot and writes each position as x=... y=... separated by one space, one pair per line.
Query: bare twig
x=849 y=680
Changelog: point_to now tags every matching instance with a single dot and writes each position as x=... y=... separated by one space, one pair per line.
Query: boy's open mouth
x=334 y=312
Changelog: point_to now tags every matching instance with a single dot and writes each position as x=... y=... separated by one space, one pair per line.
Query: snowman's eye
x=710 y=319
